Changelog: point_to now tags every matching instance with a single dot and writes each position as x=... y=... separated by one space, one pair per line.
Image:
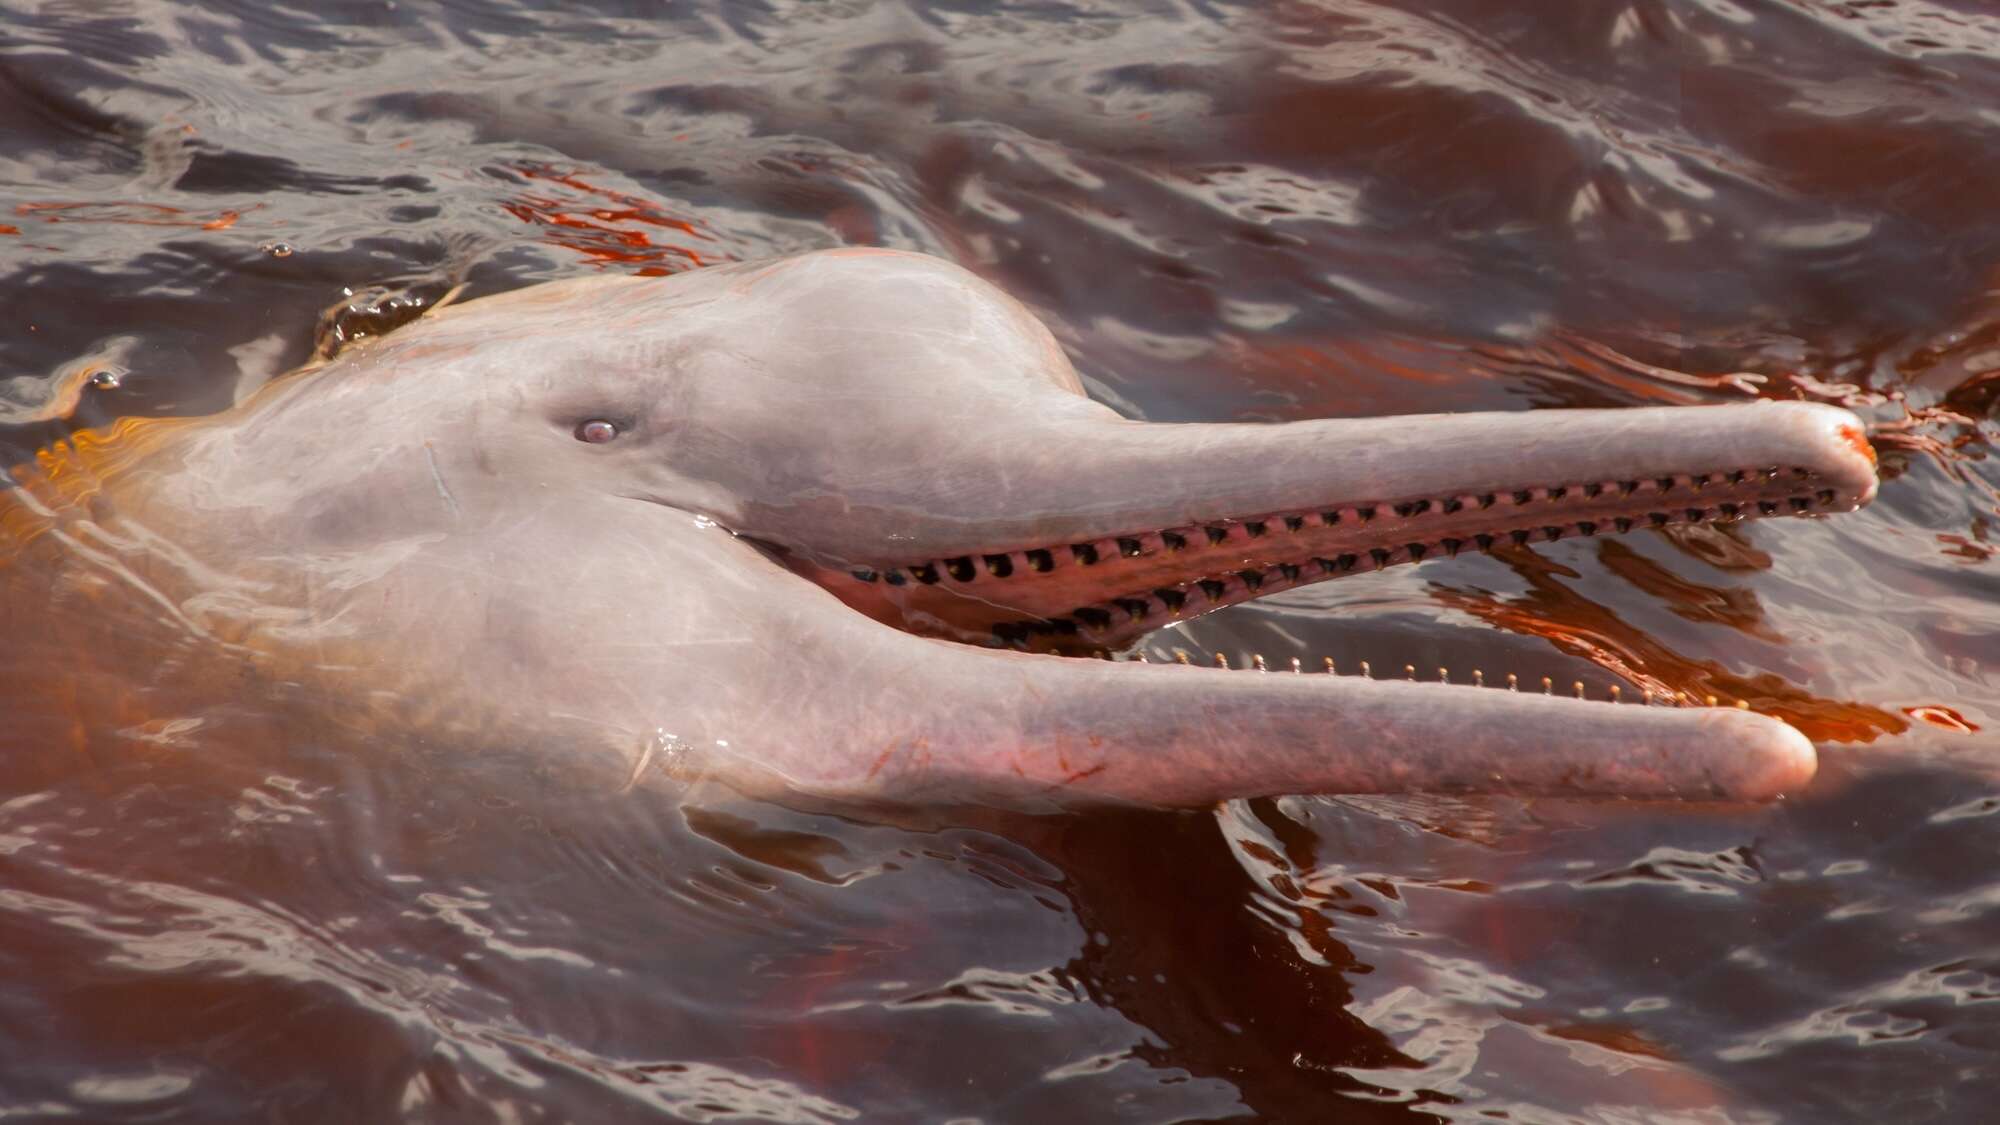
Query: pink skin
x=429 y=530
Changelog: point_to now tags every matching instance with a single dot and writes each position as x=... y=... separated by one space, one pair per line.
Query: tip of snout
x=1765 y=757
x=1833 y=443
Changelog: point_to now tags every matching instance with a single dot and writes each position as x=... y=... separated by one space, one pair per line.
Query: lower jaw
x=1596 y=685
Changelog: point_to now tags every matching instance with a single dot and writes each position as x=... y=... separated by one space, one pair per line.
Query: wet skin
x=828 y=526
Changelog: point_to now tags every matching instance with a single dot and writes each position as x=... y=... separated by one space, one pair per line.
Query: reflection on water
x=1225 y=211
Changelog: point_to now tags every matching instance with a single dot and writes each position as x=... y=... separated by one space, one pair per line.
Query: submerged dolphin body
x=744 y=521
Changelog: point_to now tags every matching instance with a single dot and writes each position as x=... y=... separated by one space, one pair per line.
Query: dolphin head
x=908 y=437
x=886 y=465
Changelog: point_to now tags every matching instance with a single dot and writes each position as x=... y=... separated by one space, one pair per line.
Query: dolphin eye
x=597 y=431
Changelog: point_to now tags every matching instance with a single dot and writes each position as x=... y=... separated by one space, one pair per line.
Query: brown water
x=1228 y=212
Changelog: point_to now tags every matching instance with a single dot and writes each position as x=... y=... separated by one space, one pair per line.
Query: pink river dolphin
x=839 y=525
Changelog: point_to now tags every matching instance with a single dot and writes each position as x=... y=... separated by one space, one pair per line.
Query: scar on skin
x=1858 y=442
x=437 y=476
x=880 y=761
x=659 y=743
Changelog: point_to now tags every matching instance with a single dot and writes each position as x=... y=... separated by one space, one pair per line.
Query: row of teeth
x=1042 y=560
x=1193 y=598
x=1615 y=694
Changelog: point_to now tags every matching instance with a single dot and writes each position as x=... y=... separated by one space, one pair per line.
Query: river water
x=1225 y=211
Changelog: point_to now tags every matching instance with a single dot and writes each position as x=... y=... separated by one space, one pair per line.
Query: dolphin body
x=827 y=526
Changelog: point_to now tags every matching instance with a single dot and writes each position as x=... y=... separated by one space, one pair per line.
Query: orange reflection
x=1734 y=606
x=1623 y=1039
x=1942 y=717
x=1584 y=628
x=135 y=214
x=608 y=226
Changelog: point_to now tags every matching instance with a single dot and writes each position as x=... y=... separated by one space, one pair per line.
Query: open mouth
x=1105 y=593
x=1136 y=539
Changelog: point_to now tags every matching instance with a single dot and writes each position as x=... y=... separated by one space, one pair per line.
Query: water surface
x=1225 y=211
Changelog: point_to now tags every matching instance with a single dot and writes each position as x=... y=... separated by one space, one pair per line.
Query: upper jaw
x=1463 y=483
